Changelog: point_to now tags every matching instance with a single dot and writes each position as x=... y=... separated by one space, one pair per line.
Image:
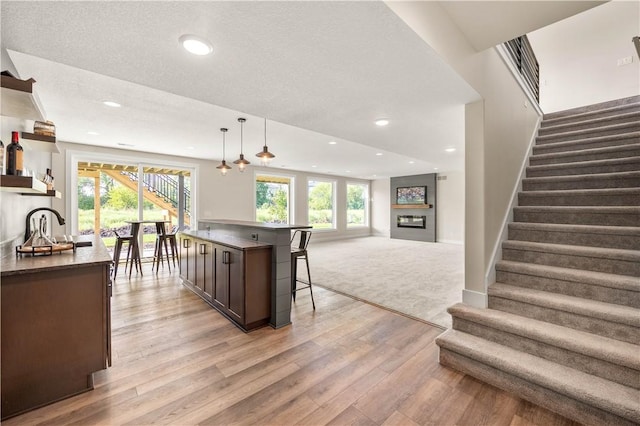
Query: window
x=357 y=204
x=273 y=199
x=321 y=204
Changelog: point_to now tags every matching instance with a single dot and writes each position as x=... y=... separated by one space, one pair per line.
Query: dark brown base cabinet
x=232 y=275
x=56 y=326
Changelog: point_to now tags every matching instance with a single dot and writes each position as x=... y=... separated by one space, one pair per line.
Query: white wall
x=14 y=207
x=578 y=57
x=450 y=208
x=501 y=130
x=219 y=197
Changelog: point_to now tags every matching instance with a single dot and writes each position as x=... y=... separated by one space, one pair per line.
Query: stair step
x=572 y=393
x=591 y=181
x=614 y=165
x=592 y=316
x=587 y=143
x=597 y=259
x=572 y=135
x=581 y=197
x=598 y=355
x=615 y=107
x=609 y=288
x=579 y=215
x=619 y=237
x=589 y=123
x=609 y=152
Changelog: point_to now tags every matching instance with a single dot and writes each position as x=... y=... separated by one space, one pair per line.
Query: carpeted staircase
x=563 y=325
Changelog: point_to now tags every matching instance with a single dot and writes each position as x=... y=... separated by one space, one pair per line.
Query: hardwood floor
x=177 y=361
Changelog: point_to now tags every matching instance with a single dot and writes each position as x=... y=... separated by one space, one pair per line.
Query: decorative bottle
x=14 y=156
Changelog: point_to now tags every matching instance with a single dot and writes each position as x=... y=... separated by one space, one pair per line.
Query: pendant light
x=264 y=155
x=241 y=162
x=223 y=167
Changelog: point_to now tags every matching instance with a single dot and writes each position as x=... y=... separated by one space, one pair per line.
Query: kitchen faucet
x=27 y=232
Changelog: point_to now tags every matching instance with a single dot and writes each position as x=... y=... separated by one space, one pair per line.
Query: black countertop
x=226 y=240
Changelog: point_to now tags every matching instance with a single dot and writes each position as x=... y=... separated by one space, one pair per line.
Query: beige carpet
x=415 y=278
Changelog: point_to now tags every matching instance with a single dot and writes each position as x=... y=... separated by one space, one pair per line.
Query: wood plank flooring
x=177 y=361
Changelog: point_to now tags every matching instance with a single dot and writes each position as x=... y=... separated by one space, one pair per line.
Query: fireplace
x=411 y=221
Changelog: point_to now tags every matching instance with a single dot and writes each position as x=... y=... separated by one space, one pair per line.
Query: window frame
x=334 y=185
x=367 y=196
x=291 y=199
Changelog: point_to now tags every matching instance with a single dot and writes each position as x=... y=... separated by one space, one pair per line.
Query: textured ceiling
x=328 y=69
x=319 y=71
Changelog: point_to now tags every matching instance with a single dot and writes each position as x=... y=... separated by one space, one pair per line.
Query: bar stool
x=120 y=240
x=161 y=240
x=173 y=243
x=297 y=253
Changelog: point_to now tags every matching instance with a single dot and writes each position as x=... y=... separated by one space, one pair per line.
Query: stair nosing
x=582 y=342
x=587 y=140
x=626 y=174
x=591 y=130
x=568 y=249
x=586 y=163
x=602 y=393
x=597 y=120
x=600 y=279
x=549 y=117
x=576 y=228
x=586 y=191
x=610 y=312
x=597 y=150
x=577 y=209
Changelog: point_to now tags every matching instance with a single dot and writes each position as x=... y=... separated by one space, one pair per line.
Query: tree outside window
x=357 y=195
x=321 y=204
x=272 y=199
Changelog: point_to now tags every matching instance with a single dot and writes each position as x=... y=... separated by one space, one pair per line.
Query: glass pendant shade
x=264 y=155
x=241 y=162
x=223 y=167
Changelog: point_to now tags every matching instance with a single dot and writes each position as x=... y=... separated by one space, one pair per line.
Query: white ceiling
x=319 y=71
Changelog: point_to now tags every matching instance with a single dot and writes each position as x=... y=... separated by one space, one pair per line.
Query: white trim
x=457 y=242
x=475 y=299
x=334 y=202
x=292 y=192
x=496 y=255
x=502 y=52
x=74 y=156
x=367 y=208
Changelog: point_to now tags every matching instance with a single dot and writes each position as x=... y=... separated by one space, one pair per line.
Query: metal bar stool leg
x=306 y=259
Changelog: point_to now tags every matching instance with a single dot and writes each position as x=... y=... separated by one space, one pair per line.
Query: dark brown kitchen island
x=56 y=329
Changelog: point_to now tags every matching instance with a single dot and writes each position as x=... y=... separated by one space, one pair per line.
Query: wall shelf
x=48 y=193
x=411 y=206
x=18 y=99
x=26 y=185
x=40 y=142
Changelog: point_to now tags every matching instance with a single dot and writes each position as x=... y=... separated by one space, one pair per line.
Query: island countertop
x=95 y=254
x=227 y=240
x=255 y=224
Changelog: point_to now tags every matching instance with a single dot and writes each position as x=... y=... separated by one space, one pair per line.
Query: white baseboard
x=451 y=242
x=475 y=299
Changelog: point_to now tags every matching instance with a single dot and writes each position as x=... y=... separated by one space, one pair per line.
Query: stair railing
x=522 y=55
x=163 y=186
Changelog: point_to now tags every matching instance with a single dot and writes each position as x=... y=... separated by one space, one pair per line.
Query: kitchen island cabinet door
x=205 y=270
x=235 y=284
x=221 y=284
x=185 y=243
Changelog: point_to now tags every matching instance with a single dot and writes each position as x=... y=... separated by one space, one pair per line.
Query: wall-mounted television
x=410 y=195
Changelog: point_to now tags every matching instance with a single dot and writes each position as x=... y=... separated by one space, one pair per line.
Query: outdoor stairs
x=562 y=328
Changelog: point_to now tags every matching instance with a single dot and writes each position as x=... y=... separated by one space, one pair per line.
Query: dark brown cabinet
x=232 y=275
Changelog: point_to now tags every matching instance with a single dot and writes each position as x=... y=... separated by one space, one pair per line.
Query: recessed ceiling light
x=378 y=154
x=93 y=133
x=125 y=144
x=196 y=45
x=332 y=142
x=190 y=147
x=112 y=104
x=435 y=168
x=347 y=171
x=382 y=122
x=411 y=162
x=450 y=150
x=314 y=166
